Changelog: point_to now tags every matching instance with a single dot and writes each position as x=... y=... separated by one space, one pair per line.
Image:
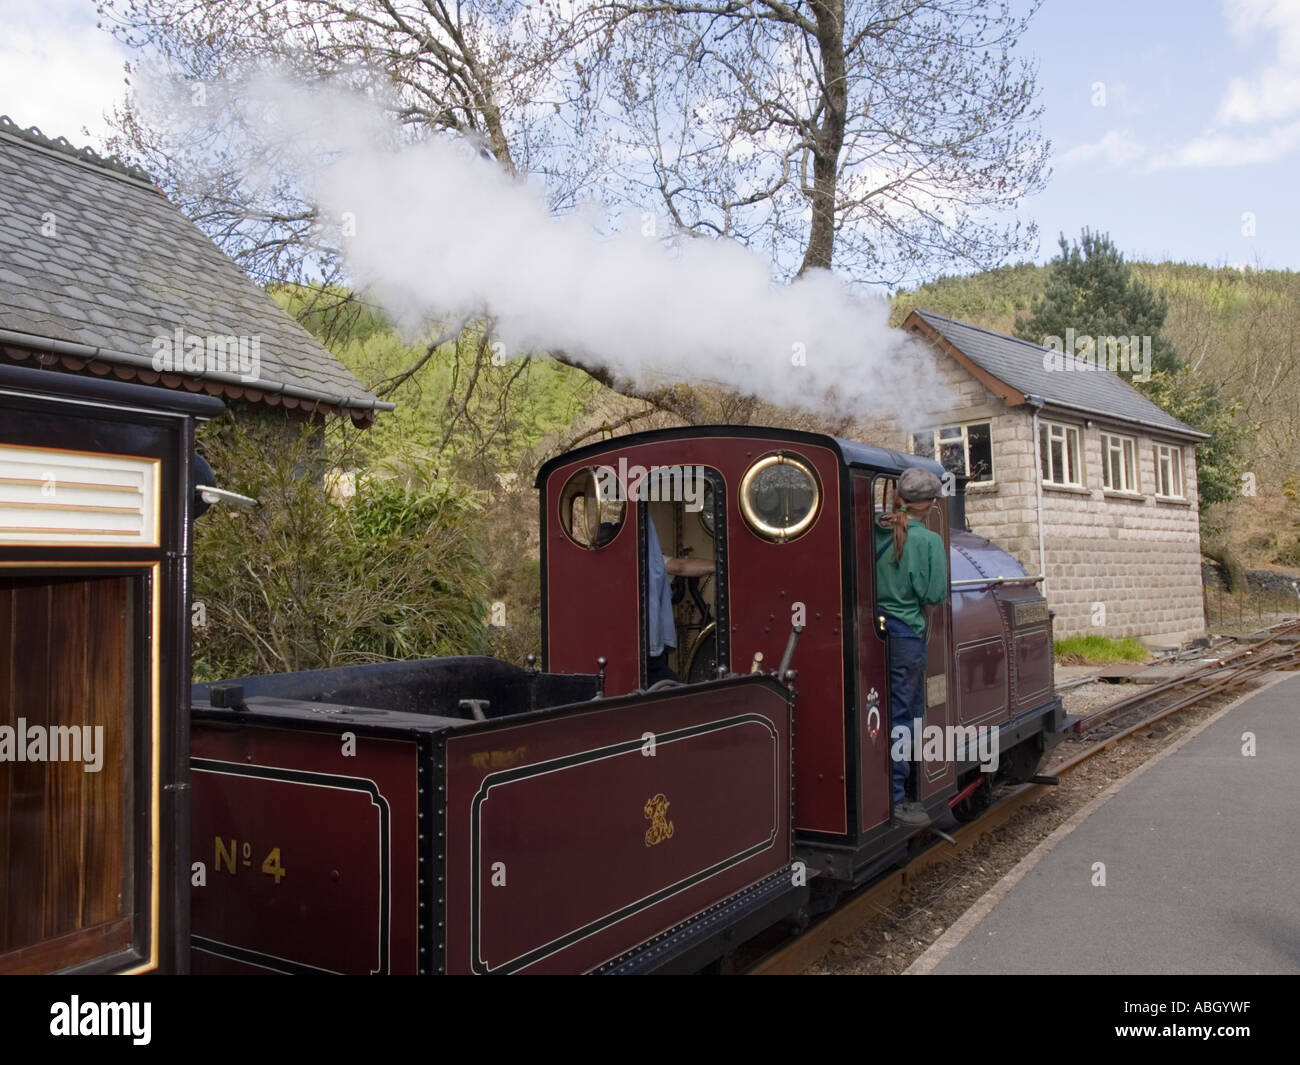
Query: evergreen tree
x=1090 y=289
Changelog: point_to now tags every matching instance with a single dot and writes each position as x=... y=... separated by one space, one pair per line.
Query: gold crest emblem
x=656 y=812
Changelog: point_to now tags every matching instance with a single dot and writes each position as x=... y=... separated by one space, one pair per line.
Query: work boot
x=911 y=815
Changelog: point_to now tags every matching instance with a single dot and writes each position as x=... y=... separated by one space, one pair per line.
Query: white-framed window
x=964 y=449
x=1169 y=471
x=1119 y=463
x=1059 y=453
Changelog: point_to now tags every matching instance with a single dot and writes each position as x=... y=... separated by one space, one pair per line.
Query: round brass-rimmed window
x=589 y=515
x=780 y=496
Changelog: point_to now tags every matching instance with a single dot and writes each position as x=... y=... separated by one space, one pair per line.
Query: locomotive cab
x=677 y=514
x=788 y=520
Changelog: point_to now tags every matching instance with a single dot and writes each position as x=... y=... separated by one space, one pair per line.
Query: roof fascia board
x=1011 y=396
x=34 y=342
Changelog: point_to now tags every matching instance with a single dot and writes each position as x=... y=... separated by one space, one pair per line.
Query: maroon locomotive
x=465 y=815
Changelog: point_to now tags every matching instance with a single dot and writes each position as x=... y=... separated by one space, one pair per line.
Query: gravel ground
x=1089 y=697
x=894 y=939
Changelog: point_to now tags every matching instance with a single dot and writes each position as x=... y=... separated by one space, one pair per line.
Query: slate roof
x=123 y=267
x=1018 y=365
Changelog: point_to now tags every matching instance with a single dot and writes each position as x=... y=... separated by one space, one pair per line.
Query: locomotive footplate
x=1022 y=743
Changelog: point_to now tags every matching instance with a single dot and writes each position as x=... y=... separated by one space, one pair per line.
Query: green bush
x=303 y=581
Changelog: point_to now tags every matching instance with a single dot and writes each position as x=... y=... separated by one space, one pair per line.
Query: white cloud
x=1213 y=148
x=1273 y=92
x=1116 y=148
x=58 y=70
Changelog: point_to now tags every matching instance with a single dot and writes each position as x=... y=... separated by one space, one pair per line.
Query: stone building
x=1075 y=472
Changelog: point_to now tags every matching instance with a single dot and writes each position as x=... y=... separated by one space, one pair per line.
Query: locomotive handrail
x=996 y=580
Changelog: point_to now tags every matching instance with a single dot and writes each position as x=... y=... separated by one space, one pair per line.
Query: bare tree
x=872 y=137
x=487 y=71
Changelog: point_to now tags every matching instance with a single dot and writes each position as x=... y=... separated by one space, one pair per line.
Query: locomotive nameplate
x=1031 y=613
x=77 y=498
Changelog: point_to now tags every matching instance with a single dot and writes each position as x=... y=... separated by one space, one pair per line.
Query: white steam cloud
x=436 y=231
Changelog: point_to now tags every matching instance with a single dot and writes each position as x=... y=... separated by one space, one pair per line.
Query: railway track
x=1094 y=733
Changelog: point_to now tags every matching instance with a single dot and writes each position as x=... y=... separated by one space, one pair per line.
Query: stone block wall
x=1117 y=564
x=1124 y=564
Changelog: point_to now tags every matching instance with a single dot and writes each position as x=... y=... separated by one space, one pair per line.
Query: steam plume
x=436 y=231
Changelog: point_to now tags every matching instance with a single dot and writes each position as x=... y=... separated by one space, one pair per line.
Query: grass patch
x=1094 y=650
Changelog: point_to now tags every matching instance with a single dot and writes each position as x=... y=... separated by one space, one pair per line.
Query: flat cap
x=916 y=484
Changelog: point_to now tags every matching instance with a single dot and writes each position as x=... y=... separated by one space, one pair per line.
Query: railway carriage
x=96 y=488
x=465 y=815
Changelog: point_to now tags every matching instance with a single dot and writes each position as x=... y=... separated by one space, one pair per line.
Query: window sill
x=1071 y=489
x=981 y=486
x=1136 y=497
x=1176 y=501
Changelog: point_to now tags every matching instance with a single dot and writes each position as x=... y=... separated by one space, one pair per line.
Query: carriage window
x=780 y=496
x=591 y=508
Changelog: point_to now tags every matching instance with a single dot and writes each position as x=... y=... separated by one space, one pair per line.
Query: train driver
x=661 y=629
x=911 y=574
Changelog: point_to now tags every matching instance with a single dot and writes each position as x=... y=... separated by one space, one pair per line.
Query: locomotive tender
x=466 y=815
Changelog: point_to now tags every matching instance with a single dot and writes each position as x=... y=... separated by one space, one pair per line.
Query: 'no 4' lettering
x=236 y=855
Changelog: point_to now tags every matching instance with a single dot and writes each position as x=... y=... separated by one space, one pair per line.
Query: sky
x=1175 y=124
x=1175 y=127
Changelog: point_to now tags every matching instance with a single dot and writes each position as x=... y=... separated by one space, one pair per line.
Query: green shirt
x=920 y=577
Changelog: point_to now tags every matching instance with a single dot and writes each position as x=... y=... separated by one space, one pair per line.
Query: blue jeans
x=906 y=691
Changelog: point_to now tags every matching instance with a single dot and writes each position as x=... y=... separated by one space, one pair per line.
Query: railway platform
x=1187 y=866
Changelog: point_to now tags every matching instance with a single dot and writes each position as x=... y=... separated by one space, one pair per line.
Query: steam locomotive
x=466 y=815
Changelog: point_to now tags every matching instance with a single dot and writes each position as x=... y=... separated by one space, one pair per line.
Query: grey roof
x=124 y=266
x=852 y=452
x=859 y=454
x=1019 y=364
